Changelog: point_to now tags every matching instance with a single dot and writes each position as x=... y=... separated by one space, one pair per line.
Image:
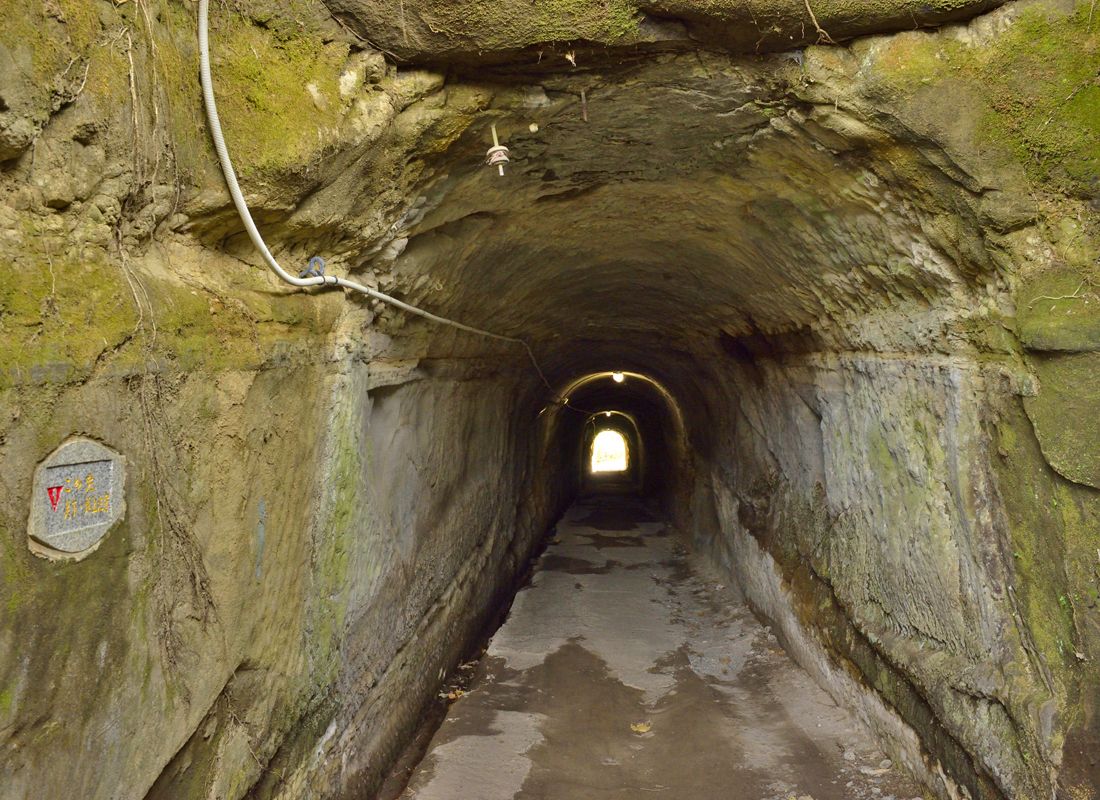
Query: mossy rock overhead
x=478 y=31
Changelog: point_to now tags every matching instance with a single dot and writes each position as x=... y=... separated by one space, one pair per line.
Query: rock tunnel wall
x=308 y=554
x=865 y=273
x=868 y=511
x=308 y=549
x=321 y=516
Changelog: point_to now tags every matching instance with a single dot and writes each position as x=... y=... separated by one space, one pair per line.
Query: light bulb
x=618 y=377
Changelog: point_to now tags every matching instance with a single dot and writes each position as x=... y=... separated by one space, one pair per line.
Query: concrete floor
x=624 y=671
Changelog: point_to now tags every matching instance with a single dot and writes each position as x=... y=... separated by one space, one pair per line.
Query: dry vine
x=823 y=36
x=182 y=575
x=180 y=580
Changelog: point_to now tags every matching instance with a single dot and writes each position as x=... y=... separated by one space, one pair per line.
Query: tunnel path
x=623 y=671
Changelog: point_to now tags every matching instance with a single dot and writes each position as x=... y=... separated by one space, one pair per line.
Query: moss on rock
x=1058 y=310
x=1037 y=81
x=1064 y=414
x=1053 y=525
x=57 y=309
x=277 y=82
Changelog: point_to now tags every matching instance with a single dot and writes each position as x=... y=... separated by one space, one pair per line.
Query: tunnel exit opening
x=609 y=452
x=612 y=454
x=643 y=411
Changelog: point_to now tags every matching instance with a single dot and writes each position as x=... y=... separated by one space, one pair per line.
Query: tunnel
x=824 y=273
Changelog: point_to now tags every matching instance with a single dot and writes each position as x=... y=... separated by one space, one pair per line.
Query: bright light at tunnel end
x=609 y=452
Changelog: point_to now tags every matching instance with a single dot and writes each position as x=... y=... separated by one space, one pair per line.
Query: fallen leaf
x=641 y=727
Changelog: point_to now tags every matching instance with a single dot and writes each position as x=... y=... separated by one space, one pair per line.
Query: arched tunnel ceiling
x=690 y=197
x=599 y=391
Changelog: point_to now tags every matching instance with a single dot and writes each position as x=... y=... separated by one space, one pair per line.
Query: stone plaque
x=78 y=496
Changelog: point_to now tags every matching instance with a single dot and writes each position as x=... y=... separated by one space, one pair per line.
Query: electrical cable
x=311 y=276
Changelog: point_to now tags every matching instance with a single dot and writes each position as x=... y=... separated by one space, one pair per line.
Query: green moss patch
x=56 y=309
x=1044 y=81
x=331 y=554
x=1064 y=414
x=1059 y=311
x=1040 y=82
x=1055 y=534
x=277 y=88
x=51 y=34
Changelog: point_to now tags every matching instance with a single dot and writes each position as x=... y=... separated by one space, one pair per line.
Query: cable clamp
x=315 y=269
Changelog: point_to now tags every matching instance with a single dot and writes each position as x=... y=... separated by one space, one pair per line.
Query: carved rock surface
x=852 y=287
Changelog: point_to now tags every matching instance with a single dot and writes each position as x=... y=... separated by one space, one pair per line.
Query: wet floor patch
x=577 y=566
x=613 y=514
x=639 y=676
